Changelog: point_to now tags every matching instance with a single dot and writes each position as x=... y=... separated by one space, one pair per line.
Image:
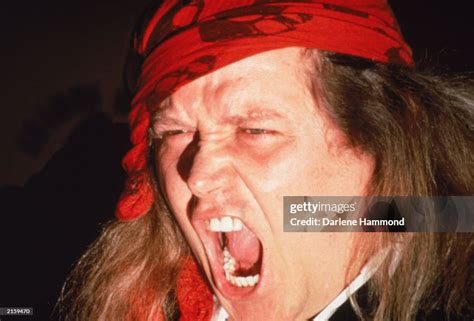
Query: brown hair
x=416 y=127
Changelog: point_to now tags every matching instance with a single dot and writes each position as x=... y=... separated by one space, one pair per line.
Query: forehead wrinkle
x=220 y=93
x=169 y=113
x=235 y=105
x=163 y=107
x=229 y=94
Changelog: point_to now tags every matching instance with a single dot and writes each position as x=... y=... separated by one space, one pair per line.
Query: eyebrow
x=166 y=120
x=256 y=114
x=162 y=115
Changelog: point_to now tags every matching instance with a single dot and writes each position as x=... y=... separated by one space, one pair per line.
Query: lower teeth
x=230 y=267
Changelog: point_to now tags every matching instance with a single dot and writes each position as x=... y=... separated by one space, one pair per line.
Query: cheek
x=171 y=182
x=269 y=176
x=295 y=169
x=268 y=170
x=177 y=195
x=312 y=165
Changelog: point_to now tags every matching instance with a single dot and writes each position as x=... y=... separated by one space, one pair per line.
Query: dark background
x=63 y=132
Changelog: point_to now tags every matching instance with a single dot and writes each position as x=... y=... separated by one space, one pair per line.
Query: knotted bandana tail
x=194 y=297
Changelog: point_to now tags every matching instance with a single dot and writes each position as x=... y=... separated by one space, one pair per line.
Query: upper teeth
x=231 y=224
x=225 y=224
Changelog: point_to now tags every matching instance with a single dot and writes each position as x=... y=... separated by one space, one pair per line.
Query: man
x=239 y=104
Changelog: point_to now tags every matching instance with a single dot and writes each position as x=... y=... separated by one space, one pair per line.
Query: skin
x=234 y=142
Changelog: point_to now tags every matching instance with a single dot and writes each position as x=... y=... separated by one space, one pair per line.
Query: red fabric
x=194 y=298
x=187 y=39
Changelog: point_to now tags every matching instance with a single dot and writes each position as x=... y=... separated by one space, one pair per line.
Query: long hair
x=129 y=272
x=415 y=125
x=418 y=128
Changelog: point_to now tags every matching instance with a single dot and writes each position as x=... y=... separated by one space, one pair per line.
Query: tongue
x=244 y=246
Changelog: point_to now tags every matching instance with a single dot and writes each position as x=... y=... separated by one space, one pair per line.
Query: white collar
x=365 y=274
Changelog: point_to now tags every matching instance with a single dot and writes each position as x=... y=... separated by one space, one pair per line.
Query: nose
x=210 y=169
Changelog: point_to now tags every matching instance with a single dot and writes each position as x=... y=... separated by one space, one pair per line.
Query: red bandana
x=184 y=40
x=188 y=39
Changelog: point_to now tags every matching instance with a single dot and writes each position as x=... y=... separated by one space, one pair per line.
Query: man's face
x=234 y=142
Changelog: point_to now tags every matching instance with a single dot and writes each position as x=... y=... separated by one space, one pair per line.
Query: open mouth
x=235 y=254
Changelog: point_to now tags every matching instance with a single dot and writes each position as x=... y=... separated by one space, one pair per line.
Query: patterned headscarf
x=184 y=40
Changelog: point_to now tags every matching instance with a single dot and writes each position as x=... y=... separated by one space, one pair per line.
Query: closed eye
x=168 y=133
x=256 y=131
x=251 y=135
